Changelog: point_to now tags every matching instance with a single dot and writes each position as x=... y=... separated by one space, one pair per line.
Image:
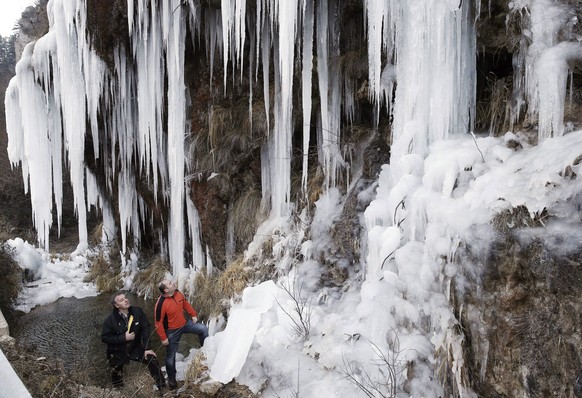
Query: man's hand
x=149 y=352
x=129 y=336
x=165 y=342
x=194 y=319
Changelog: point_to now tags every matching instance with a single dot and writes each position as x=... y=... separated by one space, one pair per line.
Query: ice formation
x=421 y=68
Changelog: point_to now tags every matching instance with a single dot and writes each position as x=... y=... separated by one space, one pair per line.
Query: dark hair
x=162 y=287
x=117 y=293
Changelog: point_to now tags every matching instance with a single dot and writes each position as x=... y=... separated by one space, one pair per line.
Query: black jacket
x=120 y=351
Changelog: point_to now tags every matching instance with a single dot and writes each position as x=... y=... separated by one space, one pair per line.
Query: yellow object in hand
x=129 y=323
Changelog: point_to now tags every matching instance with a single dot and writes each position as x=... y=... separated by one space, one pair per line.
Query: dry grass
x=494 y=113
x=105 y=274
x=207 y=295
x=147 y=281
x=197 y=368
x=233 y=134
x=246 y=215
x=96 y=234
x=213 y=293
x=499 y=29
x=518 y=217
x=499 y=108
x=235 y=278
x=315 y=186
x=48 y=378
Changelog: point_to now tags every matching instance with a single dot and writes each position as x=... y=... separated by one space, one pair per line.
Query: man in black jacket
x=127 y=332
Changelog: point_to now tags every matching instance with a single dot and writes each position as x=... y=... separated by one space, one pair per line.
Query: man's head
x=167 y=287
x=119 y=301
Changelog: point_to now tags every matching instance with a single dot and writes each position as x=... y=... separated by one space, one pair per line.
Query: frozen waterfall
x=133 y=111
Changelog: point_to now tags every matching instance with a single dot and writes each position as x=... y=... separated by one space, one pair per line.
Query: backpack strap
x=159 y=306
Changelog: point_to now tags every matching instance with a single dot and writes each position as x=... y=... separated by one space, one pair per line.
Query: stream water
x=70 y=330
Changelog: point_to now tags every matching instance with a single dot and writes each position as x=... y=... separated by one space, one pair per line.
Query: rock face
x=533 y=320
x=32 y=25
x=522 y=313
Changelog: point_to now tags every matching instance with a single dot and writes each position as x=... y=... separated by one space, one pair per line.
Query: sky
x=10 y=11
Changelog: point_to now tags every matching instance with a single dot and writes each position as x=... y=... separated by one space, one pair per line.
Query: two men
x=170 y=324
x=127 y=332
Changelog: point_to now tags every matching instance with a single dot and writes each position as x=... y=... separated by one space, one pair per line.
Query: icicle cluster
x=61 y=75
x=433 y=43
x=547 y=53
x=427 y=46
x=430 y=50
x=65 y=85
x=49 y=103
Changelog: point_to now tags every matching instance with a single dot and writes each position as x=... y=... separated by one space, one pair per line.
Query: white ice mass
x=452 y=179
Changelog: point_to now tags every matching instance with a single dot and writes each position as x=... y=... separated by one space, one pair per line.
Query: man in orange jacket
x=170 y=324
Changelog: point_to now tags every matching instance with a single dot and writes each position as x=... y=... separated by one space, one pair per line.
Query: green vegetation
x=12 y=280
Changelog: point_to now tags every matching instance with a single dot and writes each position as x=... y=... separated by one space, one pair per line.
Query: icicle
x=127 y=207
x=265 y=177
x=72 y=79
x=250 y=72
x=233 y=33
x=28 y=141
x=95 y=198
x=72 y=103
x=213 y=30
x=435 y=49
x=545 y=91
x=552 y=76
x=286 y=17
x=306 y=76
x=329 y=93
x=198 y=257
x=266 y=55
x=377 y=24
x=240 y=31
x=227 y=10
x=176 y=133
x=147 y=51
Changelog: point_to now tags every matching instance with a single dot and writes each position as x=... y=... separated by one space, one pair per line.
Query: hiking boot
x=173 y=384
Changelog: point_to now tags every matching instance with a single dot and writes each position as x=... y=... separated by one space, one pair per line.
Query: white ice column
x=435 y=52
x=175 y=32
x=544 y=60
x=329 y=92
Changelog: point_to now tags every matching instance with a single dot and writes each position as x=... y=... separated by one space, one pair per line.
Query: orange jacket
x=169 y=313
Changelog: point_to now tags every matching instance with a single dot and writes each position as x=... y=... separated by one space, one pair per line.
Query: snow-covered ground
x=52 y=277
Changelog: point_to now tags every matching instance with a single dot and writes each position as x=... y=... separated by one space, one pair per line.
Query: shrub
x=12 y=276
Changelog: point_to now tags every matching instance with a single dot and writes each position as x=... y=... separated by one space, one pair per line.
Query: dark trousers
x=153 y=366
x=174 y=336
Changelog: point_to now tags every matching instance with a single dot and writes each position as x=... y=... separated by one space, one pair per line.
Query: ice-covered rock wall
x=130 y=114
